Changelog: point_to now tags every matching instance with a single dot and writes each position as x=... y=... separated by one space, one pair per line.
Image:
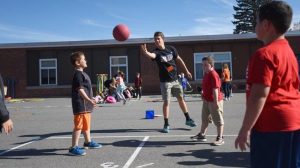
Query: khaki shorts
x=167 y=88
x=82 y=121
x=208 y=110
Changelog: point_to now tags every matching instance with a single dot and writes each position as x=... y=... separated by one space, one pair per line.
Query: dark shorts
x=275 y=149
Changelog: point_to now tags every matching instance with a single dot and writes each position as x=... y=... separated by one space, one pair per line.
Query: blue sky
x=75 y=20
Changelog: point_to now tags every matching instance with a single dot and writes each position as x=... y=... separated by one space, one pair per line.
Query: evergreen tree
x=245 y=16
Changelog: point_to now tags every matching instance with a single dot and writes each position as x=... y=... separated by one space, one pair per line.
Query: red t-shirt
x=211 y=81
x=275 y=65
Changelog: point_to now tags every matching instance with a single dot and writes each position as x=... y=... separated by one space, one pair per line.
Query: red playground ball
x=121 y=32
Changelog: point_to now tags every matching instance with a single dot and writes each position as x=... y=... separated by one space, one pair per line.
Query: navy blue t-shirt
x=165 y=60
x=81 y=81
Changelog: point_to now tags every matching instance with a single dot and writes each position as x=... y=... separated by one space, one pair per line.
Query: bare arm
x=215 y=97
x=146 y=52
x=182 y=65
x=255 y=104
x=85 y=97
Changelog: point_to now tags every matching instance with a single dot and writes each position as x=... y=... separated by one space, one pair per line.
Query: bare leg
x=204 y=126
x=182 y=104
x=166 y=109
x=75 y=137
x=87 y=136
x=220 y=130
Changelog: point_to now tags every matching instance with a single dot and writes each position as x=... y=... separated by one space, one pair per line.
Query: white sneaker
x=219 y=141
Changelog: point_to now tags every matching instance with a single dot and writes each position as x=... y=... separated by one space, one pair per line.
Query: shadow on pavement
x=27 y=153
x=209 y=156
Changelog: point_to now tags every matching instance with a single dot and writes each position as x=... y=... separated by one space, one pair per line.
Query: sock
x=187 y=116
x=219 y=136
x=166 y=121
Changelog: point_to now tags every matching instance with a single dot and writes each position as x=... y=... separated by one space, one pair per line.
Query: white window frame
x=118 y=65
x=41 y=68
x=216 y=61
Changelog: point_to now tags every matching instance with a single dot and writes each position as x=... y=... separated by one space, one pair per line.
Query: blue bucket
x=149 y=114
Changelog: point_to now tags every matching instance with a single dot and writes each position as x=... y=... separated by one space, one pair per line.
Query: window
x=48 y=71
x=118 y=63
x=220 y=59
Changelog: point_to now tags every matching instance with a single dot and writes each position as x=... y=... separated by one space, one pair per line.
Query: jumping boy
x=272 y=118
x=166 y=58
x=82 y=104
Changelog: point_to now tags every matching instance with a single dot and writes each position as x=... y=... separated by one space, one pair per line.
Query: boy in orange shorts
x=82 y=104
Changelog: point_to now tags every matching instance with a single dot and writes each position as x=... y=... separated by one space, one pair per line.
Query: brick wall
x=13 y=66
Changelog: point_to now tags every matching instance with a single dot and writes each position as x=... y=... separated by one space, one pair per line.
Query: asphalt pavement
x=43 y=128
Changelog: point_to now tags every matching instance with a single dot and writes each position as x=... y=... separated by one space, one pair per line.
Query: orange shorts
x=82 y=121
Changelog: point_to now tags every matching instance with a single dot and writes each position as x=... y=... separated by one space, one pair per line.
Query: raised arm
x=146 y=52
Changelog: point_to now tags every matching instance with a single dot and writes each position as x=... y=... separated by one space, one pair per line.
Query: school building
x=44 y=69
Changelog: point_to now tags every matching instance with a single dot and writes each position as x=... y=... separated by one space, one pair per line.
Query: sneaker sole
x=191 y=125
x=198 y=140
x=72 y=154
x=86 y=147
x=213 y=144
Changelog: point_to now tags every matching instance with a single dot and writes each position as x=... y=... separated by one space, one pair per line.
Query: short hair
x=279 y=13
x=209 y=59
x=75 y=56
x=121 y=74
x=225 y=66
x=158 y=33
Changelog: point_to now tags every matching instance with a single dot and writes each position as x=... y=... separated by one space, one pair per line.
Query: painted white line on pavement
x=137 y=136
x=136 y=152
x=145 y=165
x=69 y=137
x=24 y=144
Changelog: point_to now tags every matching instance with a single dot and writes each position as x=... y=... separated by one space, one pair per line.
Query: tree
x=245 y=16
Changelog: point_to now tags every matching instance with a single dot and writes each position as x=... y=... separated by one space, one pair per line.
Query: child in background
x=138 y=85
x=226 y=82
x=121 y=86
x=184 y=83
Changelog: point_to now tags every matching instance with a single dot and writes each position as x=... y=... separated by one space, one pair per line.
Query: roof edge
x=134 y=41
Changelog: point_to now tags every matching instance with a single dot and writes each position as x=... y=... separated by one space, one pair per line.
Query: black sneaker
x=199 y=137
x=166 y=129
x=190 y=123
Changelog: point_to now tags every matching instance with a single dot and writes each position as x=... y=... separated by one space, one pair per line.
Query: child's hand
x=93 y=102
x=189 y=75
x=216 y=106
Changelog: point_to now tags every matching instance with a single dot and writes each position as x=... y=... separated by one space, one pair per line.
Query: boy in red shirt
x=272 y=118
x=212 y=102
